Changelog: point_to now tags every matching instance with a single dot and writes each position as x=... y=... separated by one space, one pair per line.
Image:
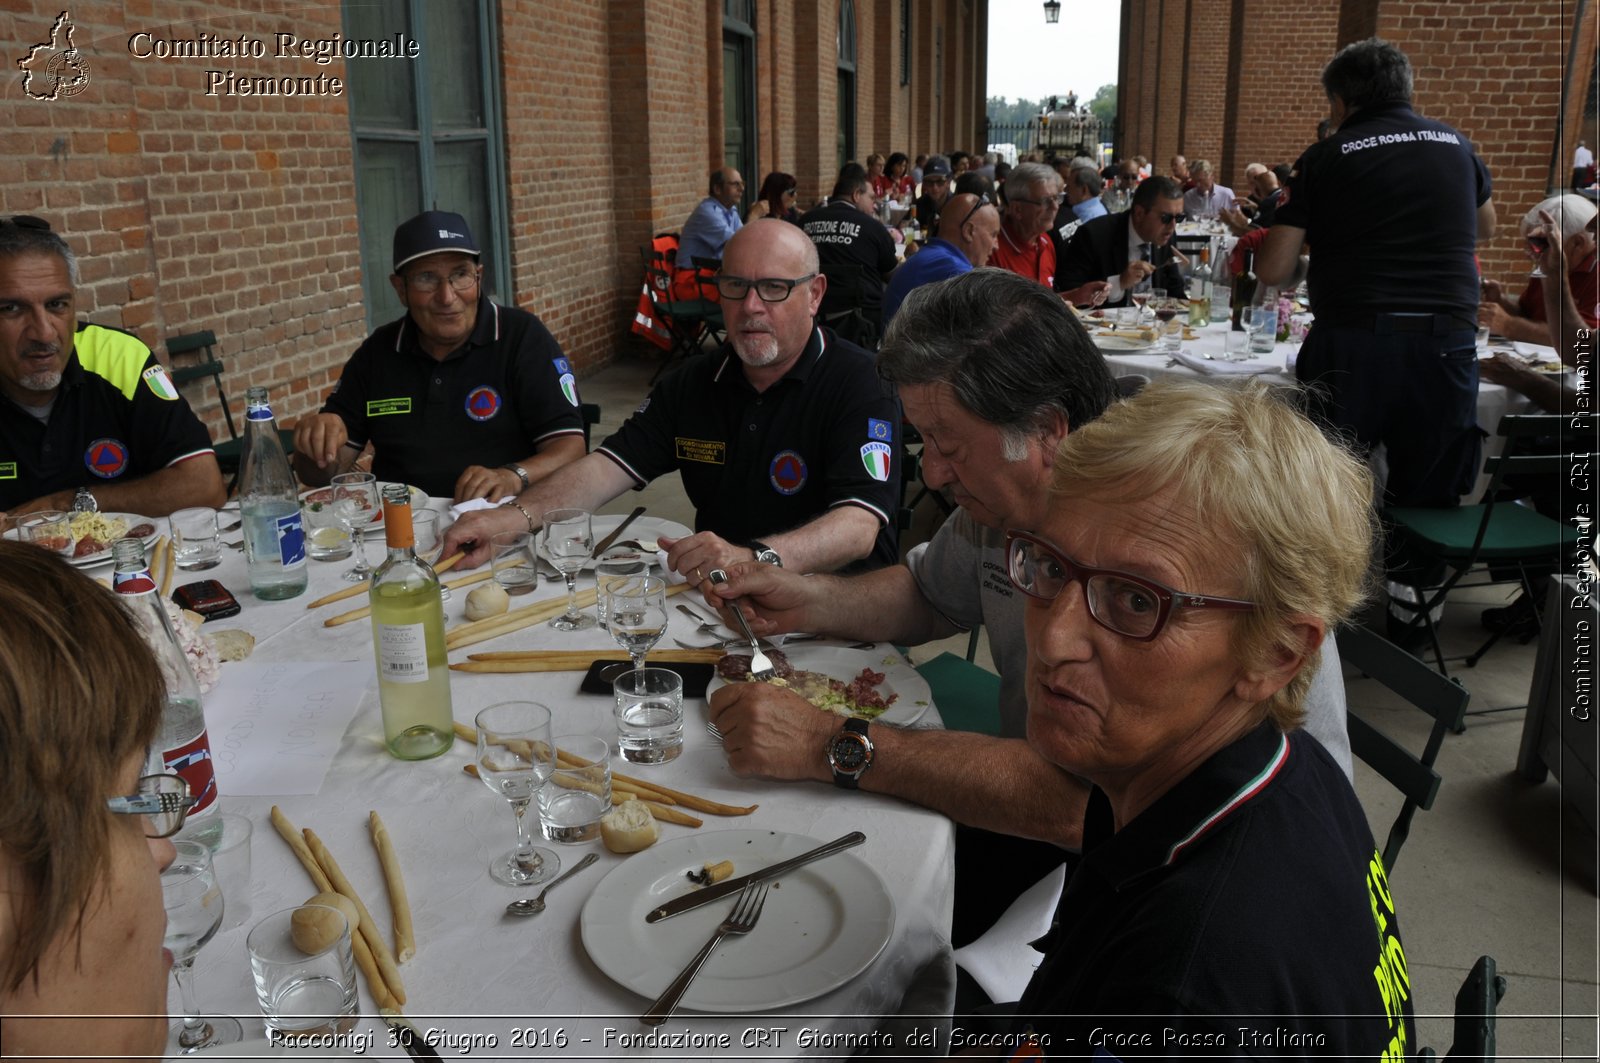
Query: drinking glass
x=195 y=545
x=355 y=503
x=648 y=705
x=305 y=983
x=568 y=542
x=193 y=901
x=619 y=563
x=515 y=758
x=511 y=558
x=48 y=528
x=1236 y=346
x=1141 y=294
x=637 y=608
x=327 y=539
x=1261 y=322
x=1167 y=310
x=578 y=794
x=428 y=541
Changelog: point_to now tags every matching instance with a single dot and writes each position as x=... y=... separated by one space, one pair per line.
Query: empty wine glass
x=568 y=542
x=636 y=609
x=355 y=501
x=515 y=758
x=428 y=541
x=193 y=900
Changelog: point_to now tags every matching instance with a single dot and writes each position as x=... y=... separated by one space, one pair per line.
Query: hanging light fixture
x=1052 y=11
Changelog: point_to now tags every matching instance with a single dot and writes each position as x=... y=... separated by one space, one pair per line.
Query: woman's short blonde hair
x=1287 y=507
x=80 y=695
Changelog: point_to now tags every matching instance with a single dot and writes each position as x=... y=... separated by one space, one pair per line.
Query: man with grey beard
x=787 y=442
x=88 y=416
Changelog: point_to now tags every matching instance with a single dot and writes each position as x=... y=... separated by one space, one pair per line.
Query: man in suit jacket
x=1121 y=249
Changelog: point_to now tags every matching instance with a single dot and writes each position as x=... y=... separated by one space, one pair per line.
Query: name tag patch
x=705 y=451
x=387 y=407
x=8 y=470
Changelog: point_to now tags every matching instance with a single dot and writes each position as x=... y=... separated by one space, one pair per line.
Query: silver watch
x=522 y=474
x=85 y=502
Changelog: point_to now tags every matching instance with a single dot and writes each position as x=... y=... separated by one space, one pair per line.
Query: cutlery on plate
x=605 y=544
x=760 y=666
x=741 y=920
x=690 y=901
x=535 y=905
x=707 y=627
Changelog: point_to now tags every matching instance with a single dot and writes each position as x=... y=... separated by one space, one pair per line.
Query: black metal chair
x=231 y=450
x=1477 y=1001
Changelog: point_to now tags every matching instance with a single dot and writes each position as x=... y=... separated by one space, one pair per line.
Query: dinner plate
x=419 y=498
x=841 y=662
x=101 y=557
x=643 y=529
x=822 y=924
x=1122 y=344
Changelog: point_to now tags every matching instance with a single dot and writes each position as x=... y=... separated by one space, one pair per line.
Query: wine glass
x=568 y=542
x=515 y=758
x=428 y=542
x=1166 y=309
x=193 y=900
x=636 y=609
x=1141 y=293
x=355 y=501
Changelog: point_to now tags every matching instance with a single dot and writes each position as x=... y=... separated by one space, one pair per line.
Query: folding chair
x=1503 y=534
x=1477 y=1001
x=685 y=321
x=230 y=451
x=1444 y=699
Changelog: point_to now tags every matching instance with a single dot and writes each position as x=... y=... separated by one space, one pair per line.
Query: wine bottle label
x=291 y=539
x=193 y=762
x=402 y=653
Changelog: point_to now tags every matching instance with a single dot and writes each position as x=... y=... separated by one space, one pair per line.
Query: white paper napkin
x=670 y=576
x=471 y=504
x=1212 y=367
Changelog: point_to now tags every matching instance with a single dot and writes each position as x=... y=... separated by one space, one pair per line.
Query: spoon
x=536 y=905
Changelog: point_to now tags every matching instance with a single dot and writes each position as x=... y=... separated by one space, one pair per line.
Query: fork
x=760 y=666
x=741 y=920
x=706 y=627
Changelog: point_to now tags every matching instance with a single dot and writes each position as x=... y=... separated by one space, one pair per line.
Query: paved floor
x=1493 y=868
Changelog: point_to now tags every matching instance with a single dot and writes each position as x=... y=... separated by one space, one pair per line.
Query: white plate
x=643 y=529
x=1122 y=344
x=822 y=925
x=102 y=557
x=419 y=498
x=841 y=662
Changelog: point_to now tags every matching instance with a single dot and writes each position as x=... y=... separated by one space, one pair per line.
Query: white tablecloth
x=471 y=960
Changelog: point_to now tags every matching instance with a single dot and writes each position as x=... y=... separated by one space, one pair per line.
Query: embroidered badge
x=569 y=388
x=387 y=407
x=787 y=472
x=705 y=451
x=483 y=402
x=875 y=456
x=106 y=458
x=160 y=383
x=882 y=431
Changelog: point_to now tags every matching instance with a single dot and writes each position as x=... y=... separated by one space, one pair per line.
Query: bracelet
x=514 y=504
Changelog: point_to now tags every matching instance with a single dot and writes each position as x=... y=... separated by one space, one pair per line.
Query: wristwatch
x=85 y=502
x=850 y=754
x=766 y=554
x=522 y=474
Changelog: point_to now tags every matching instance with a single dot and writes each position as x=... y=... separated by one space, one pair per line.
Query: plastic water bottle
x=181 y=745
x=274 y=538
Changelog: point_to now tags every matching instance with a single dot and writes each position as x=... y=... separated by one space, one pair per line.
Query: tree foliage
x=1104 y=105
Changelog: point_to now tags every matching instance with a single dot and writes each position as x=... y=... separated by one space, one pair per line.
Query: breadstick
x=405 y=942
x=366 y=610
x=358 y=945
x=369 y=927
x=361 y=588
x=671 y=815
x=168 y=556
x=699 y=804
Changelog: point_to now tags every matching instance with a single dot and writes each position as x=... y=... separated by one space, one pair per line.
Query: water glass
x=301 y=993
x=1482 y=341
x=195 y=543
x=579 y=791
x=568 y=544
x=1236 y=346
x=638 y=611
x=513 y=563
x=48 y=528
x=618 y=563
x=515 y=756
x=357 y=505
x=1261 y=322
x=1221 y=304
x=648 y=704
x=427 y=537
x=227 y=836
x=327 y=538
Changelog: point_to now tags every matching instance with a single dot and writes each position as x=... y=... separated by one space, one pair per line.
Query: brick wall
x=1204 y=100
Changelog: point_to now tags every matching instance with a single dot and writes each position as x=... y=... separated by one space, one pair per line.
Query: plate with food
x=871 y=684
x=95 y=532
x=1124 y=341
x=321 y=496
x=645 y=530
x=821 y=926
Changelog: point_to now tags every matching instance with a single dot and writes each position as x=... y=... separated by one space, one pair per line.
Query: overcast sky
x=1030 y=59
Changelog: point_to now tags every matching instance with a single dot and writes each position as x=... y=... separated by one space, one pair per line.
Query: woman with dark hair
x=82 y=968
x=900 y=182
x=779 y=191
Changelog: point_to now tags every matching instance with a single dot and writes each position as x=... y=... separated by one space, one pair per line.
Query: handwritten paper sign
x=275 y=728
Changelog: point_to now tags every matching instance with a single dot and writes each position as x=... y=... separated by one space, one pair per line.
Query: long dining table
x=483 y=983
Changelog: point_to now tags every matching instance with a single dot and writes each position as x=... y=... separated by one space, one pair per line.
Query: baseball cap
x=936 y=166
x=430 y=232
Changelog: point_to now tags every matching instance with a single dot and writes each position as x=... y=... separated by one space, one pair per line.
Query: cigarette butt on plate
x=405 y=942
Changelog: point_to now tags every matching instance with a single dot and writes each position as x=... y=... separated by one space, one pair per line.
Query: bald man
x=789 y=456
x=969 y=228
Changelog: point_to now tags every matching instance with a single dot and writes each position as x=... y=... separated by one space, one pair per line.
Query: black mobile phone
x=208 y=598
x=602 y=674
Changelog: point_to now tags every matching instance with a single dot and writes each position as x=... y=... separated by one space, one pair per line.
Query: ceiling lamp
x=1052 y=11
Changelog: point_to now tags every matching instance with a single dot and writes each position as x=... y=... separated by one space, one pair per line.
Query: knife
x=690 y=901
x=407 y=1037
x=605 y=544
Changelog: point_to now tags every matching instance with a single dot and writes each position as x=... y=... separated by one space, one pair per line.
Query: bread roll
x=313 y=929
x=232 y=644
x=628 y=828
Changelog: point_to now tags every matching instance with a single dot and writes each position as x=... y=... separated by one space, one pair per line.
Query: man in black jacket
x=1122 y=249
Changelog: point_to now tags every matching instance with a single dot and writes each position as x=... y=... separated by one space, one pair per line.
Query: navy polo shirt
x=117 y=417
x=492 y=401
x=758 y=463
x=1389 y=206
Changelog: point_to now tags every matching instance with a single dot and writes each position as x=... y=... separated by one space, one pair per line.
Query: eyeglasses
x=983 y=201
x=1126 y=604
x=1171 y=219
x=771 y=289
x=462 y=278
x=163 y=799
x=1047 y=201
x=935 y=179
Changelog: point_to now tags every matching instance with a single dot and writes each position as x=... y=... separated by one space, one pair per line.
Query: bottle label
x=132 y=582
x=193 y=762
x=402 y=653
x=291 y=539
x=259 y=413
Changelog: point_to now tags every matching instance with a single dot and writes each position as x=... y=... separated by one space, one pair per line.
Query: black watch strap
x=850 y=754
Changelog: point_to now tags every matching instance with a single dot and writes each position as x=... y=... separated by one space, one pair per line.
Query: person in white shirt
x=1206 y=199
x=1582 y=166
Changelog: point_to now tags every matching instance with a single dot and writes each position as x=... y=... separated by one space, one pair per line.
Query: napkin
x=670 y=576
x=1535 y=352
x=1002 y=961
x=460 y=508
x=1220 y=368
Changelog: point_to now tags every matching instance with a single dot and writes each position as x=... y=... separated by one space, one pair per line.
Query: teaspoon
x=536 y=904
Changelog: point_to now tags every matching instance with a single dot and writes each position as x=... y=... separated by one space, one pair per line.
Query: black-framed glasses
x=1171 y=219
x=462 y=278
x=163 y=799
x=983 y=201
x=27 y=221
x=1128 y=605
x=936 y=179
x=771 y=289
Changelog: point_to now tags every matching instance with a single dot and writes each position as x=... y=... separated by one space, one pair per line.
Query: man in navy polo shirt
x=968 y=232
x=786 y=440
x=462 y=397
x=88 y=416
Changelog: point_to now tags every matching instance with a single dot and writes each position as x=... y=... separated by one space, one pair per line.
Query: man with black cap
x=935 y=190
x=461 y=397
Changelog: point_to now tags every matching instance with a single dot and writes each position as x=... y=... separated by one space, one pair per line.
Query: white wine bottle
x=408 y=639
